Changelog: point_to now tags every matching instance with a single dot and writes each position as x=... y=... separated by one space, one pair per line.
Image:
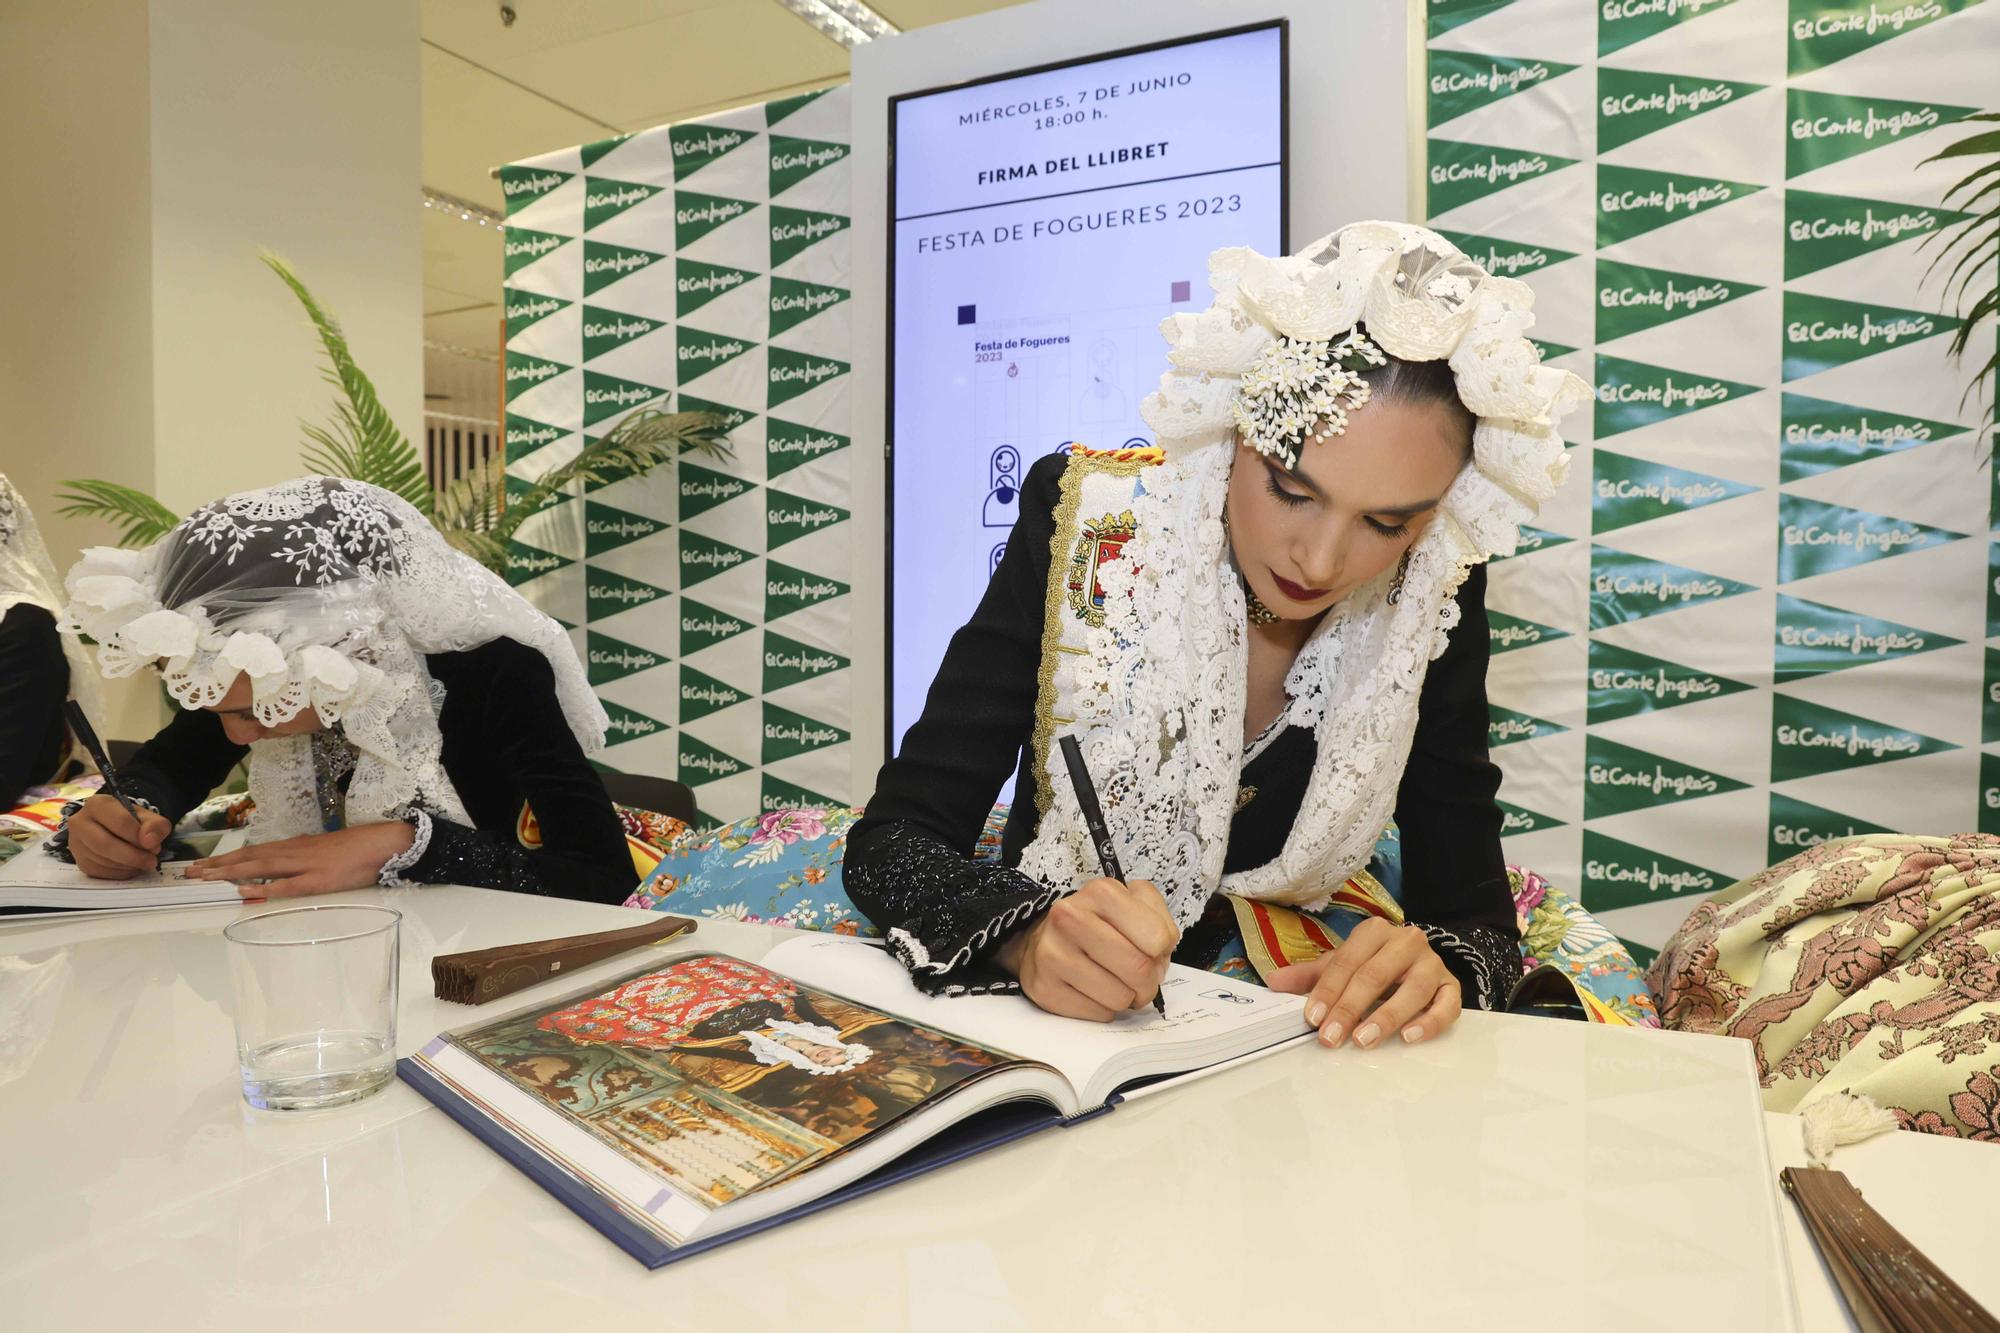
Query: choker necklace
x=1254 y=609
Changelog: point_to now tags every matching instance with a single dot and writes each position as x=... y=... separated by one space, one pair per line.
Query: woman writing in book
x=38 y=670
x=1270 y=635
x=396 y=701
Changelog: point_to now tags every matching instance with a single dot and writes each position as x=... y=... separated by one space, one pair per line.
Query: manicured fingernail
x=1413 y=1033
x=1315 y=1012
x=1330 y=1034
x=1366 y=1035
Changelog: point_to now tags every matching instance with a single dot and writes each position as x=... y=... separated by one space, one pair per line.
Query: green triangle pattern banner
x=1764 y=610
x=712 y=256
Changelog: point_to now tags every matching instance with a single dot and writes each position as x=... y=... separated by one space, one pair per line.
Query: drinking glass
x=315 y=1003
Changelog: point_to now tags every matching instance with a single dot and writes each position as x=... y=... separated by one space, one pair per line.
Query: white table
x=139 y=1191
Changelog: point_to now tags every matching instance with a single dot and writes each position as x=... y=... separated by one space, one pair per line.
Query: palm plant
x=1977 y=245
x=474 y=513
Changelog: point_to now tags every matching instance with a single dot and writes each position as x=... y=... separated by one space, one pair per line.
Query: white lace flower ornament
x=1302 y=389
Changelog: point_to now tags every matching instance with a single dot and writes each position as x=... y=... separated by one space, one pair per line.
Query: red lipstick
x=1294 y=593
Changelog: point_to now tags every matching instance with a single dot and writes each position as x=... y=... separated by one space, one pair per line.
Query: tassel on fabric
x=1840 y=1119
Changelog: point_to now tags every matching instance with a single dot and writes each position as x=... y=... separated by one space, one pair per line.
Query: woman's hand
x=109 y=844
x=1377 y=960
x=1096 y=953
x=349 y=858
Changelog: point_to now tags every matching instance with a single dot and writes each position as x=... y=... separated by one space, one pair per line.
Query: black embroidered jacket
x=908 y=862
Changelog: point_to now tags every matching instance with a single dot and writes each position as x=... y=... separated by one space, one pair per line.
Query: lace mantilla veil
x=27 y=575
x=1159 y=700
x=326 y=593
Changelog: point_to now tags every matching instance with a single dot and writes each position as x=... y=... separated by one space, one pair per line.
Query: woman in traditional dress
x=396 y=702
x=1270 y=637
x=38 y=670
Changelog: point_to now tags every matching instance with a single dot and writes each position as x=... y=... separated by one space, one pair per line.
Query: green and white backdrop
x=709 y=261
x=1759 y=614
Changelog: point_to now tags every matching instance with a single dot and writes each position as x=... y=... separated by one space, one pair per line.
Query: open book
x=706 y=1097
x=33 y=883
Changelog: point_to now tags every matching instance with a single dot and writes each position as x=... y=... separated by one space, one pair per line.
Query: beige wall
x=76 y=367
x=152 y=152
x=296 y=128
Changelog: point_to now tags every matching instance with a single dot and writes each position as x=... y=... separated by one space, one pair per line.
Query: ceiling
x=568 y=72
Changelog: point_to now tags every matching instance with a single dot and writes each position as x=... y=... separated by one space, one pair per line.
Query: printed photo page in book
x=720 y=1076
x=1209 y=1017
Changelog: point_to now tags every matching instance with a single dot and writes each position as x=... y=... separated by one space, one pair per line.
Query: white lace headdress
x=1159 y=701
x=27 y=575
x=326 y=593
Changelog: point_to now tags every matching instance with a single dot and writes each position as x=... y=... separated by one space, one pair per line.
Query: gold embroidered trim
x=1055 y=598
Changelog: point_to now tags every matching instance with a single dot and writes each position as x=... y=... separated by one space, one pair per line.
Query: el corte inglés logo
x=803 y=514
x=628 y=659
x=530 y=183
x=622 y=396
x=709 y=143
x=720 y=349
x=709 y=279
x=808 y=372
x=802 y=442
x=624 y=526
x=802 y=733
x=531 y=244
x=626 y=262
x=713 y=212
x=811 y=156
x=802 y=587
x=714 y=694
x=806 y=228
x=623 y=327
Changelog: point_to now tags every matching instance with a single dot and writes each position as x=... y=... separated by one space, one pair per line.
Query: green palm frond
x=142 y=519
x=643 y=440
x=1973 y=246
x=364 y=443
x=467 y=510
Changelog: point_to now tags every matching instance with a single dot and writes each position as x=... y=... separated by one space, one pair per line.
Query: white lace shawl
x=27 y=575
x=1159 y=700
x=327 y=593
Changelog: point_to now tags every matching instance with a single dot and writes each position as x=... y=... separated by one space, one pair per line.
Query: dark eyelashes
x=1282 y=495
x=1294 y=499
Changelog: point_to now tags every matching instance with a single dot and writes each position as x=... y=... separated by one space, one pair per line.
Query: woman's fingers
x=1103 y=944
x=1299 y=978
x=1142 y=916
x=1442 y=1013
x=1358 y=977
x=101 y=853
x=1396 y=1014
x=292 y=886
x=271 y=860
x=1059 y=997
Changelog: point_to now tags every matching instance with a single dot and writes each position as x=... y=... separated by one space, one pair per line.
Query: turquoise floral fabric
x=781 y=868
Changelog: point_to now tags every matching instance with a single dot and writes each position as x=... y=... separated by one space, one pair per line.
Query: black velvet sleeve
x=501 y=711
x=177 y=769
x=908 y=865
x=34 y=681
x=1454 y=881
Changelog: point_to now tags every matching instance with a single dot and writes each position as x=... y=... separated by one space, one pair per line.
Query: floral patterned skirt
x=1869 y=965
